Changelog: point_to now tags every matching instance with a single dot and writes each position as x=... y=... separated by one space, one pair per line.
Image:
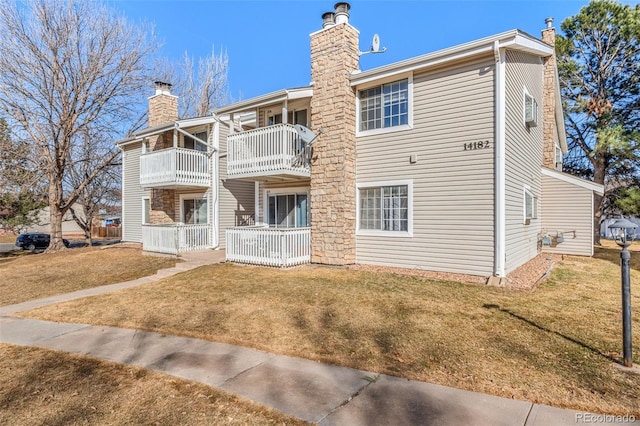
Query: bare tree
x=65 y=67
x=201 y=87
x=99 y=193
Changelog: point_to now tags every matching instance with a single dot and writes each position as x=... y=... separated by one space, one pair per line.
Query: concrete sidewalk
x=324 y=394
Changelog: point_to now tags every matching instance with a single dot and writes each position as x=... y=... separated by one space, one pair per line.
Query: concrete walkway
x=311 y=391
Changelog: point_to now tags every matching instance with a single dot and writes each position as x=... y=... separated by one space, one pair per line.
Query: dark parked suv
x=32 y=241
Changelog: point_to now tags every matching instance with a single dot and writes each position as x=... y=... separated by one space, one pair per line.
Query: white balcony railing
x=175 y=167
x=267 y=151
x=269 y=246
x=176 y=238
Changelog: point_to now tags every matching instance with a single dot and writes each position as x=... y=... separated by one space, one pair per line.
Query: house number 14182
x=471 y=146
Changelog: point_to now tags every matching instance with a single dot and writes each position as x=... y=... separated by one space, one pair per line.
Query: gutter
x=499 y=162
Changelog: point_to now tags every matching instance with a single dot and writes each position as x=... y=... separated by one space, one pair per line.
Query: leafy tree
x=20 y=194
x=599 y=70
x=67 y=67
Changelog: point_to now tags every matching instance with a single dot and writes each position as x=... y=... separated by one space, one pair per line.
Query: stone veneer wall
x=549 y=128
x=163 y=108
x=334 y=55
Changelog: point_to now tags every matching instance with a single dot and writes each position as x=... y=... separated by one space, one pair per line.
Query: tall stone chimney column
x=334 y=55
x=549 y=128
x=163 y=108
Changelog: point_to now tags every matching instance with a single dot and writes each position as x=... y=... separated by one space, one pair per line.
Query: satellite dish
x=375 y=44
x=305 y=134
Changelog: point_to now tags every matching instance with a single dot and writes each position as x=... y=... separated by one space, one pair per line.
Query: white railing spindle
x=176 y=238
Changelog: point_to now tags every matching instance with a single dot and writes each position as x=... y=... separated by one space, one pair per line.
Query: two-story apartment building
x=450 y=161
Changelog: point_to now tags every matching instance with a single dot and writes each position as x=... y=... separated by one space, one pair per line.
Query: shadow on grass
x=613 y=255
x=546 y=330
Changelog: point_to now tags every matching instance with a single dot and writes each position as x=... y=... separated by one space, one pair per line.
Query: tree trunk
x=56 y=214
x=599 y=171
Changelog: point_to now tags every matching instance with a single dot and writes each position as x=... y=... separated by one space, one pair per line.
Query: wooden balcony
x=274 y=151
x=176 y=238
x=175 y=167
x=269 y=246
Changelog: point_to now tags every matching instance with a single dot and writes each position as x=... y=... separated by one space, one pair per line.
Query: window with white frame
x=385 y=207
x=530 y=109
x=288 y=210
x=530 y=204
x=558 y=160
x=146 y=210
x=384 y=106
x=194 y=210
x=191 y=143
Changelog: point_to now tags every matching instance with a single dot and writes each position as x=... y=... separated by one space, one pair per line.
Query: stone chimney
x=334 y=56
x=549 y=128
x=163 y=108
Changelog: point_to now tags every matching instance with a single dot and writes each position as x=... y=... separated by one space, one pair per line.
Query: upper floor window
x=558 y=158
x=191 y=143
x=530 y=110
x=384 y=106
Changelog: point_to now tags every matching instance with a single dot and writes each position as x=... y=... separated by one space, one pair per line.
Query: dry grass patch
x=32 y=276
x=554 y=345
x=39 y=386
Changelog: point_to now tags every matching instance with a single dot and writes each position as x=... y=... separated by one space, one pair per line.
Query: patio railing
x=176 y=238
x=266 y=151
x=174 y=167
x=269 y=246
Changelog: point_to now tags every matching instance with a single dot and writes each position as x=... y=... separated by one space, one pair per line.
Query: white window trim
x=145 y=198
x=195 y=196
x=525 y=94
x=408 y=126
x=379 y=233
x=527 y=189
x=283 y=191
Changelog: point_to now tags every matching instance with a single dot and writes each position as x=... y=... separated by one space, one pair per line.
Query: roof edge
x=574 y=180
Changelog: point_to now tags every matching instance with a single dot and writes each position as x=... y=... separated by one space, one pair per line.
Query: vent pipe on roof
x=549 y=22
x=342 y=12
x=328 y=19
x=162 y=88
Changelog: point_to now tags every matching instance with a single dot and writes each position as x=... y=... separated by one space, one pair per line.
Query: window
x=191 y=143
x=293 y=117
x=288 y=211
x=194 y=211
x=558 y=158
x=384 y=106
x=385 y=207
x=146 y=210
x=530 y=205
x=530 y=110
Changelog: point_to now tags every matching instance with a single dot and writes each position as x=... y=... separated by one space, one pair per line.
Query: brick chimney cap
x=162 y=84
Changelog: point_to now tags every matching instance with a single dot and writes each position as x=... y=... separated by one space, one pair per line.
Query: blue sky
x=268 y=41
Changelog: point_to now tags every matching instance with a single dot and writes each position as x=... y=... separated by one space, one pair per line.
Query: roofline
x=161 y=128
x=566 y=177
x=269 y=98
x=513 y=39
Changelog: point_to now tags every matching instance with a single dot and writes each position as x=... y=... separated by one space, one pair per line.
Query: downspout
x=500 y=163
x=216 y=184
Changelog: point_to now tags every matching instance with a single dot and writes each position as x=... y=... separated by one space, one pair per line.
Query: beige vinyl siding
x=453 y=200
x=132 y=194
x=566 y=208
x=523 y=154
x=236 y=203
